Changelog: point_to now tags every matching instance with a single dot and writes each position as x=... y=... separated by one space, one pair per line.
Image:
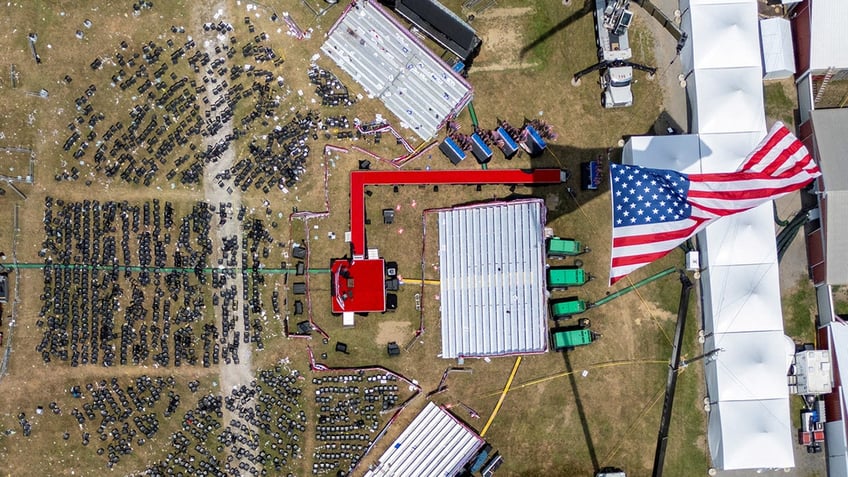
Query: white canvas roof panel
x=395 y=67
x=493 y=290
x=434 y=444
x=751 y=366
x=676 y=152
x=828 y=42
x=747 y=239
x=778 y=54
x=729 y=100
x=725 y=152
x=749 y=424
x=740 y=298
x=730 y=28
x=751 y=434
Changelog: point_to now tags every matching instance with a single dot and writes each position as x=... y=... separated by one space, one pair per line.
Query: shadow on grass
x=581 y=413
x=587 y=9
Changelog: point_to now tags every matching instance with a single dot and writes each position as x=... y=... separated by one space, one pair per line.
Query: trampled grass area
x=565 y=424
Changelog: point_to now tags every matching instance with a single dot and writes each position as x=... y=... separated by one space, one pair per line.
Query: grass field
x=566 y=415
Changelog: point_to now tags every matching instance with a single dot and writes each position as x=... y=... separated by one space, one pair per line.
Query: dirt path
x=232 y=374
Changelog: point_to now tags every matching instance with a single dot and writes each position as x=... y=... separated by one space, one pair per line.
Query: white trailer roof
x=395 y=67
x=778 y=53
x=492 y=279
x=434 y=444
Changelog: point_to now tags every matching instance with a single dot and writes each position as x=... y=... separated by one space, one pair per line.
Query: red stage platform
x=360 y=179
x=358 y=286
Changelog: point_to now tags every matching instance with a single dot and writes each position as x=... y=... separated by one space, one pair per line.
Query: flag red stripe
x=736 y=195
x=782 y=158
x=642 y=239
x=644 y=258
x=766 y=148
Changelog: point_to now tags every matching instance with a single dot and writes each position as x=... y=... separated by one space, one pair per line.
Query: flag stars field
x=643 y=232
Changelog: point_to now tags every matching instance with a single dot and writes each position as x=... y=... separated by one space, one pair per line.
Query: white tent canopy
x=766 y=442
x=751 y=366
x=727 y=100
x=749 y=424
x=740 y=298
x=725 y=152
x=676 y=152
x=740 y=241
x=729 y=29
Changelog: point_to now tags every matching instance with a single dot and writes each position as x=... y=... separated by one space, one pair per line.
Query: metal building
x=435 y=444
x=370 y=45
x=492 y=259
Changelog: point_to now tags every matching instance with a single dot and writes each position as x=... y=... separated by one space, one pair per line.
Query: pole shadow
x=581 y=412
x=587 y=8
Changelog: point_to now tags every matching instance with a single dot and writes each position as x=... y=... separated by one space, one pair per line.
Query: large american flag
x=654 y=210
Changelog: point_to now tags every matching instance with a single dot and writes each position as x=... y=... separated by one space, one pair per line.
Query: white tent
x=749 y=423
x=677 y=152
x=725 y=152
x=740 y=241
x=778 y=54
x=740 y=298
x=751 y=366
x=729 y=29
x=727 y=100
x=753 y=434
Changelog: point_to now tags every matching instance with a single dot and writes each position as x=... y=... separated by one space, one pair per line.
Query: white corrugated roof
x=435 y=444
x=393 y=66
x=492 y=279
x=828 y=42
